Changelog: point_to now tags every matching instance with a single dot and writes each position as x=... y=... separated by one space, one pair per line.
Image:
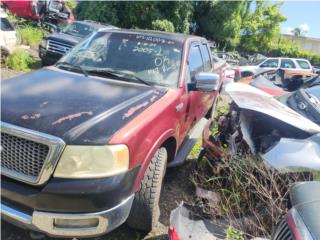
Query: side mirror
x=206 y=81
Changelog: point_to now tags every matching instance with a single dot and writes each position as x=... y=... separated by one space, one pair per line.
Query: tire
x=145 y=211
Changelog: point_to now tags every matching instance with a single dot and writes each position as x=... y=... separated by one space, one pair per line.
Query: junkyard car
x=302 y=220
x=284 y=132
x=85 y=143
x=8 y=36
x=276 y=63
x=57 y=44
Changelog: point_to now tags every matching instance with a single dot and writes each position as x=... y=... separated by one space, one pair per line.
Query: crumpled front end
x=258 y=124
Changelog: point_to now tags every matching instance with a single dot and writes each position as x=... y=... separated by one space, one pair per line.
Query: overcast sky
x=304 y=14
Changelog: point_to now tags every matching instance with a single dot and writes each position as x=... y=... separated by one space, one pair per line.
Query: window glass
x=206 y=57
x=195 y=61
x=303 y=64
x=156 y=60
x=287 y=63
x=5 y=25
x=270 y=63
x=78 y=29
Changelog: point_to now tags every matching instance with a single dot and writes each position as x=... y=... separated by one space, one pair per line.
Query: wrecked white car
x=283 y=131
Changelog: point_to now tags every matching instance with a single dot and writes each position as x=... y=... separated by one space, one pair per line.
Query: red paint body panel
x=161 y=121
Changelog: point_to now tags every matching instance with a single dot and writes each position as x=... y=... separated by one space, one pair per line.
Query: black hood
x=78 y=109
x=64 y=38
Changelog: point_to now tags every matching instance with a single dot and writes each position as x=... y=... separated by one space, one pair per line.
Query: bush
x=70 y=4
x=19 y=60
x=30 y=35
x=287 y=48
x=163 y=25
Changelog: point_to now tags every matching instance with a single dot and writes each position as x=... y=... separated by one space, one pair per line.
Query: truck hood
x=78 y=109
x=64 y=38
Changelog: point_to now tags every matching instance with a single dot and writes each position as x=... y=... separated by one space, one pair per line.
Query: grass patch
x=19 y=60
x=30 y=35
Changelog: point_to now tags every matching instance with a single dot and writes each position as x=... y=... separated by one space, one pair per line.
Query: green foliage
x=261 y=26
x=233 y=234
x=163 y=25
x=30 y=35
x=19 y=60
x=140 y=14
x=220 y=21
x=284 y=47
x=70 y=4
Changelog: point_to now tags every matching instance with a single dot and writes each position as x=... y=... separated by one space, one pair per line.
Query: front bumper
x=48 y=57
x=70 y=224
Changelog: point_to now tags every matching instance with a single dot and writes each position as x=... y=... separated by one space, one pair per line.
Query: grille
x=22 y=156
x=58 y=47
x=283 y=231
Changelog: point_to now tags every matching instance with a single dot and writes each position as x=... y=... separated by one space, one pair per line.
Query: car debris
x=187 y=222
x=284 y=132
x=278 y=82
x=8 y=36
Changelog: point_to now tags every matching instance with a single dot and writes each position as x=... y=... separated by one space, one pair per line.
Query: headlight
x=44 y=43
x=92 y=161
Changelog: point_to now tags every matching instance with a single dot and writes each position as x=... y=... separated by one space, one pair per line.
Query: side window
x=303 y=64
x=287 y=63
x=195 y=61
x=270 y=63
x=206 y=57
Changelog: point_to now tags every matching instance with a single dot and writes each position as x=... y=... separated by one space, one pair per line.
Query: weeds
x=19 y=60
x=233 y=234
x=253 y=197
x=30 y=35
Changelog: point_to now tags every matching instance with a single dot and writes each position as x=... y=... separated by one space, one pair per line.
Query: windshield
x=6 y=25
x=78 y=29
x=155 y=60
x=314 y=92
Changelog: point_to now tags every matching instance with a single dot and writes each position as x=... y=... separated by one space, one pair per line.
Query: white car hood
x=248 y=97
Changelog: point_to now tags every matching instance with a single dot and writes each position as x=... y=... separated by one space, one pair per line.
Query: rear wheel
x=145 y=209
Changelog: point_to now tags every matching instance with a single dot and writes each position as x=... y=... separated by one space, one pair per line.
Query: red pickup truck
x=85 y=143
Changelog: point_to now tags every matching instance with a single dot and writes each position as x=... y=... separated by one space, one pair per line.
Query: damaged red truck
x=85 y=143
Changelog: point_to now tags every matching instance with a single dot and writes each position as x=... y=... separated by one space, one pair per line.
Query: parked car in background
x=302 y=220
x=57 y=44
x=8 y=35
x=85 y=143
x=275 y=63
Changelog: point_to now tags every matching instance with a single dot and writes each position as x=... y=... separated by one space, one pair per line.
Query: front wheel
x=145 y=211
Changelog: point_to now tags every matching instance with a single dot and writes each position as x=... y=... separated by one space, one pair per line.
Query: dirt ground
x=177 y=187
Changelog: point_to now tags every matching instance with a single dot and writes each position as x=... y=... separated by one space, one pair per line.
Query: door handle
x=179 y=107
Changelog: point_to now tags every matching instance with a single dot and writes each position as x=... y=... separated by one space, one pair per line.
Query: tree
x=140 y=14
x=261 y=26
x=296 y=31
x=163 y=25
x=219 y=20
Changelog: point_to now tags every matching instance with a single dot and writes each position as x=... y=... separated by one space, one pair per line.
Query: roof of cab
x=178 y=37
